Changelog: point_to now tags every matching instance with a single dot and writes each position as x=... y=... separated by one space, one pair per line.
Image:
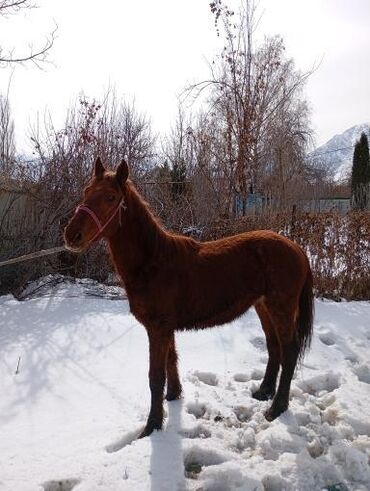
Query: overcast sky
x=151 y=50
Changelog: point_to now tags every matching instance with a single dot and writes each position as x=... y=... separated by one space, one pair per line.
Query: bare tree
x=63 y=158
x=251 y=88
x=174 y=174
x=7 y=145
x=121 y=130
x=36 y=55
x=283 y=171
x=50 y=184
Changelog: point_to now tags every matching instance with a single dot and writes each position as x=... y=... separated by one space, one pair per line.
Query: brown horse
x=175 y=283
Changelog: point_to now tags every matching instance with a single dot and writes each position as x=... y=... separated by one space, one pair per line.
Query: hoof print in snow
x=198 y=431
x=264 y=358
x=127 y=439
x=340 y=486
x=192 y=470
x=352 y=358
x=363 y=373
x=243 y=413
x=63 y=485
x=259 y=343
x=196 y=408
x=241 y=377
x=208 y=378
x=257 y=374
x=196 y=457
x=326 y=382
x=325 y=401
x=273 y=482
x=327 y=338
x=315 y=448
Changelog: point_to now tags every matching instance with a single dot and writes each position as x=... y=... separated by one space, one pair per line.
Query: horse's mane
x=152 y=231
x=145 y=214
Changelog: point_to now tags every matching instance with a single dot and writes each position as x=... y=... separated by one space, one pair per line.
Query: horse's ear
x=99 y=168
x=122 y=172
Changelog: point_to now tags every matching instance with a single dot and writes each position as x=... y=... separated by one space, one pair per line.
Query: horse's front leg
x=158 y=353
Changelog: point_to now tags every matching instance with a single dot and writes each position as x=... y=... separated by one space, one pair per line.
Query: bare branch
x=12 y=6
x=37 y=56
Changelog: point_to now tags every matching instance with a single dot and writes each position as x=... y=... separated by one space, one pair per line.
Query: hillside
x=336 y=154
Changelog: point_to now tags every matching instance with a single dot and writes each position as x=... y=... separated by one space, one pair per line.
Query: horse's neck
x=138 y=241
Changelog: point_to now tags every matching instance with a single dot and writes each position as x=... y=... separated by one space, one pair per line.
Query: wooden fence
x=17 y=210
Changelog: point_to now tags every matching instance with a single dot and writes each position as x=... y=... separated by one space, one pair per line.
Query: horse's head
x=100 y=212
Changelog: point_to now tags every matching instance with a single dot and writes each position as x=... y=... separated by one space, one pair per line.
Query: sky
x=150 y=51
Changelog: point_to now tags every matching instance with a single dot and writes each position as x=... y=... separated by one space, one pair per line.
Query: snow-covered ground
x=69 y=416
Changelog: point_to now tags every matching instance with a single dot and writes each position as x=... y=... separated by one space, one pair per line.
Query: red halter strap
x=92 y=214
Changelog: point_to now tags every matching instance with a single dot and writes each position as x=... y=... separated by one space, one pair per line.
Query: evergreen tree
x=164 y=172
x=178 y=177
x=360 y=178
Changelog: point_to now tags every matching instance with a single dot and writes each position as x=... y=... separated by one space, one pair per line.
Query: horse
x=175 y=283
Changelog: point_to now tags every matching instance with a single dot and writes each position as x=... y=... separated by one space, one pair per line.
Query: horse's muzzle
x=73 y=239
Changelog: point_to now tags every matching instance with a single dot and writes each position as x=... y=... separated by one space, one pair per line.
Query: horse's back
x=265 y=246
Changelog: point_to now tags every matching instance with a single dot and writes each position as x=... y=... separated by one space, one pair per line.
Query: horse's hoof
x=173 y=396
x=263 y=394
x=144 y=433
x=274 y=412
x=148 y=430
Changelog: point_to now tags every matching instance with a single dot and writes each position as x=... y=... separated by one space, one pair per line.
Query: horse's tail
x=305 y=317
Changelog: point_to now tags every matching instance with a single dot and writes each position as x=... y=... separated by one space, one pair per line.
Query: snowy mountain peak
x=337 y=153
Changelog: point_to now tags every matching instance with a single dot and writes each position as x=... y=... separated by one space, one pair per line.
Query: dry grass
x=338 y=247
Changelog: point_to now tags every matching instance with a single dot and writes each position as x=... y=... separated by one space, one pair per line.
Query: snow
x=337 y=153
x=70 y=417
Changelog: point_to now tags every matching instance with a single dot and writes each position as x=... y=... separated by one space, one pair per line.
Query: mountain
x=336 y=154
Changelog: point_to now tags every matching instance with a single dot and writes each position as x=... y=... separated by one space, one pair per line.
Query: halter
x=101 y=227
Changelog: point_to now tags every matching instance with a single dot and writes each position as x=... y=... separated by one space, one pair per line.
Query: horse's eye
x=111 y=198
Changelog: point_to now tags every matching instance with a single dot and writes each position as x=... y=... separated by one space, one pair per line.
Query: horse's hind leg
x=173 y=381
x=268 y=385
x=284 y=322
